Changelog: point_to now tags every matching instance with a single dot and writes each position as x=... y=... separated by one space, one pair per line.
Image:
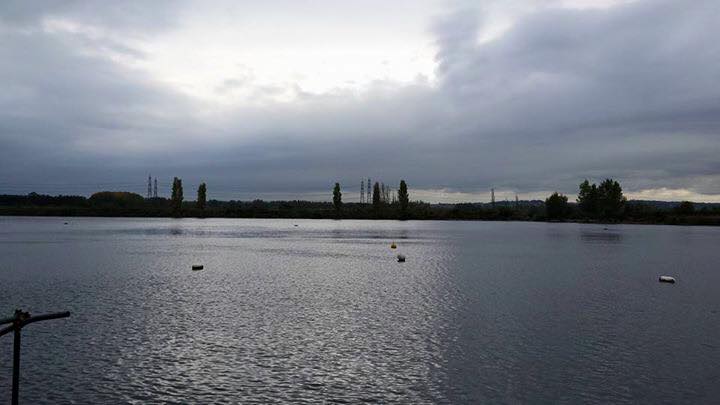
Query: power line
x=367 y=196
x=362 y=191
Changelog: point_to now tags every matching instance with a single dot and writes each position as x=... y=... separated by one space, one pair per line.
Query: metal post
x=18 y=321
x=16 y=365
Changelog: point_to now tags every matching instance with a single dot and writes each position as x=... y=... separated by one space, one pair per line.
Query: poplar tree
x=376 y=196
x=201 y=196
x=177 y=196
x=403 y=198
x=337 y=197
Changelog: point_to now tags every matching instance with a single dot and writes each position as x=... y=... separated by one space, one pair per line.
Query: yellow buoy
x=393 y=246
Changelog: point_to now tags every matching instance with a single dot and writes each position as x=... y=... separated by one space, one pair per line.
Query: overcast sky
x=280 y=99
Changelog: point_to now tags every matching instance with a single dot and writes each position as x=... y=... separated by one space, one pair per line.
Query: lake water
x=322 y=311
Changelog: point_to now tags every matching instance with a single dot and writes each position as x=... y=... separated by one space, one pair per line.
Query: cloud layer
x=559 y=94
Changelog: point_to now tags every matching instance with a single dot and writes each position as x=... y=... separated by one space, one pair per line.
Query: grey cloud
x=629 y=92
x=66 y=108
x=130 y=16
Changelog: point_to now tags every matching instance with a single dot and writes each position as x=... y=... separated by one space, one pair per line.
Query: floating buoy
x=197 y=267
x=401 y=258
x=667 y=279
x=393 y=246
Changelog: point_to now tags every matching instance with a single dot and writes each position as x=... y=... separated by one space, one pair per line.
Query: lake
x=311 y=310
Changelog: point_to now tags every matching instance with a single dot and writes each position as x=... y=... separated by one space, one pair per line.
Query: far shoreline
x=712 y=222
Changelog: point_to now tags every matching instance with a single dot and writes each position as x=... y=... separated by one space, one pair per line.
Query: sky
x=280 y=99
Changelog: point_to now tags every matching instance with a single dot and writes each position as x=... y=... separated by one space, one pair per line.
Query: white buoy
x=197 y=267
x=401 y=258
x=667 y=279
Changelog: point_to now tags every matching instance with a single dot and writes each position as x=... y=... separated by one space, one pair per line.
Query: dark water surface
x=480 y=312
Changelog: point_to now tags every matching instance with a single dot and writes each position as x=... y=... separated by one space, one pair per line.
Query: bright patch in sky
x=667 y=194
x=258 y=55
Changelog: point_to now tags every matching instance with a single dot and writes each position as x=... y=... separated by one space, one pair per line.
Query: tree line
x=603 y=202
x=606 y=203
x=382 y=201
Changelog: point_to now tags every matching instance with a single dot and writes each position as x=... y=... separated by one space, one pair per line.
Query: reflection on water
x=600 y=236
x=480 y=312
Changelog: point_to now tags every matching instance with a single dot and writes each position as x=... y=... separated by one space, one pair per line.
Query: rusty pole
x=18 y=321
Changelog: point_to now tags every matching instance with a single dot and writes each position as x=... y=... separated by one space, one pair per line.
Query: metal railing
x=19 y=321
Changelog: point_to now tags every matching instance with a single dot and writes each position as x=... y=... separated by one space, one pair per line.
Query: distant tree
x=116 y=199
x=201 y=196
x=588 y=199
x=685 y=208
x=403 y=198
x=337 y=198
x=557 y=206
x=177 y=196
x=611 y=201
x=376 y=197
x=605 y=201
